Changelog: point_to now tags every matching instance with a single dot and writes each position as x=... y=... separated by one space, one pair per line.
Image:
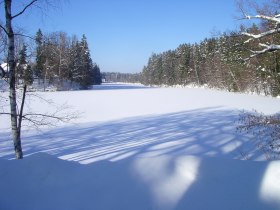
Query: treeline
x=220 y=62
x=60 y=60
x=121 y=77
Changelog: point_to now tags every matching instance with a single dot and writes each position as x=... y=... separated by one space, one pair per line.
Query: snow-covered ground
x=141 y=148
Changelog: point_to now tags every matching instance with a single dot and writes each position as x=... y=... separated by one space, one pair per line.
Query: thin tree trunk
x=21 y=109
x=234 y=79
x=195 y=66
x=12 y=80
x=196 y=73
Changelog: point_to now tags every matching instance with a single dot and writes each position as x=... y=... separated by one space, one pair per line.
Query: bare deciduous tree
x=266 y=39
x=16 y=102
x=9 y=31
x=268 y=13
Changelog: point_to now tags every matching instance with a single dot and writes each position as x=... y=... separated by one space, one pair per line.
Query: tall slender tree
x=15 y=120
x=38 y=70
x=22 y=63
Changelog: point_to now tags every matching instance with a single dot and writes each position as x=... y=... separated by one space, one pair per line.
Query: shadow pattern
x=201 y=132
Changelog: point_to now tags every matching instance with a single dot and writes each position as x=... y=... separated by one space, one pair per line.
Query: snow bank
x=44 y=182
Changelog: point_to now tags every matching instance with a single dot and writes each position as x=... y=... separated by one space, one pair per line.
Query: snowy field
x=135 y=147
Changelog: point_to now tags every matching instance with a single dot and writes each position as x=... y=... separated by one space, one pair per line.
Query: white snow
x=4 y=66
x=141 y=148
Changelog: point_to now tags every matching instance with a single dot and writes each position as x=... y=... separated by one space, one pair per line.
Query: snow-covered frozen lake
x=135 y=147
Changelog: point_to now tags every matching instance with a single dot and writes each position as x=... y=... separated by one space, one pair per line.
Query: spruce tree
x=28 y=75
x=75 y=65
x=40 y=60
x=97 y=78
x=87 y=66
x=22 y=63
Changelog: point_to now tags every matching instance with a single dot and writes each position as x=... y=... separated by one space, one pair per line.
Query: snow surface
x=141 y=148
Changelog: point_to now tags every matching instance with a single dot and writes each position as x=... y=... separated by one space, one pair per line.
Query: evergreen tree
x=22 y=63
x=75 y=64
x=97 y=77
x=28 y=75
x=57 y=60
x=86 y=64
x=183 y=70
x=40 y=58
x=83 y=71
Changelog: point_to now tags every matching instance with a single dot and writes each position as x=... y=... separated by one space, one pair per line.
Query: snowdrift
x=44 y=182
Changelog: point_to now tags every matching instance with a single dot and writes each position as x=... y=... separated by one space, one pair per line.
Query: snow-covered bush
x=266 y=130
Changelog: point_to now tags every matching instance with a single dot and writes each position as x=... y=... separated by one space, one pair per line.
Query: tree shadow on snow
x=174 y=171
x=201 y=132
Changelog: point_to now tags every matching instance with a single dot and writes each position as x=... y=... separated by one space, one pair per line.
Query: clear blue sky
x=122 y=34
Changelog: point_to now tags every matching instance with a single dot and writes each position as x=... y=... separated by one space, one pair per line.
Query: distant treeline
x=219 y=63
x=121 y=77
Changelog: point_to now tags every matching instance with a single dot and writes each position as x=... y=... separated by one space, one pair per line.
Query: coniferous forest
x=61 y=58
x=56 y=60
x=222 y=62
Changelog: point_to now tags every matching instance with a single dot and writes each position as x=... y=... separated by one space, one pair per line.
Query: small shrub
x=265 y=129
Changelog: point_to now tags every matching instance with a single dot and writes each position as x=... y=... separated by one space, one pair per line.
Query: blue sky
x=122 y=34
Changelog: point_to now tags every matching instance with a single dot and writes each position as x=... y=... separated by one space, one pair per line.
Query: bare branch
x=65 y=118
x=264 y=47
x=5 y=113
x=25 y=8
x=4 y=29
x=267 y=48
x=265 y=129
x=264 y=17
x=27 y=36
x=2 y=72
x=38 y=119
x=240 y=6
x=261 y=35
